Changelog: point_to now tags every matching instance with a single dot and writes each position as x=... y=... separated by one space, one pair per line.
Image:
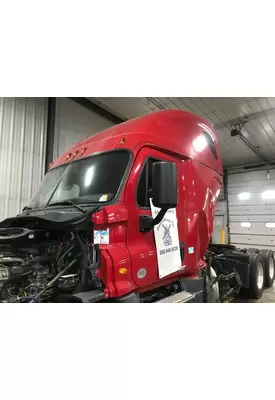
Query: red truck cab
x=129 y=259
x=170 y=157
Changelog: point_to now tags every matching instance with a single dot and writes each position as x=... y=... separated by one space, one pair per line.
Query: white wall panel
x=74 y=123
x=220 y=234
x=246 y=241
x=254 y=210
x=221 y=207
x=22 y=151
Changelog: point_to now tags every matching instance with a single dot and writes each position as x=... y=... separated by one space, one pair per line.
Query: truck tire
x=256 y=278
x=253 y=250
x=269 y=267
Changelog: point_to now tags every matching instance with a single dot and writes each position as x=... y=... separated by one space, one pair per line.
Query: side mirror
x=165 y=185
x=164 y=193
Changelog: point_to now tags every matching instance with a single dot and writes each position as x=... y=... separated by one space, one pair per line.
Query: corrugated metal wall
x=22 y=151
x=74 y=123
x=249 y=211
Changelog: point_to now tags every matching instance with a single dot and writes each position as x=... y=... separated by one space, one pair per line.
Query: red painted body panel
x=169 y=135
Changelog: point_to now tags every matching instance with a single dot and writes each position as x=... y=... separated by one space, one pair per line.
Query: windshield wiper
x=65 y=202
x=26 y=209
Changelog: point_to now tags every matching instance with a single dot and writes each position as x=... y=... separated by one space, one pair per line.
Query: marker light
x=123 y=271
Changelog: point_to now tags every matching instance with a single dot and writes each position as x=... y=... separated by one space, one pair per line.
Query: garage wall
x=74 y=123
x=22 y=151
x=252 y=209
x=220 y=233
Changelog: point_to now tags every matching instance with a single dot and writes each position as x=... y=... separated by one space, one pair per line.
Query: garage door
x=218 y=236
x=251 y=198
x=73 y=123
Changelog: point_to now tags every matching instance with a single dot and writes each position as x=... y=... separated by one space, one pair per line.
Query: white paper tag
x=102 y=237
x=96 y=237
x=104 y=197
x=167 y=242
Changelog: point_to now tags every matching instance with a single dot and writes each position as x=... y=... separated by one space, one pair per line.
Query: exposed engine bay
x=46 y=261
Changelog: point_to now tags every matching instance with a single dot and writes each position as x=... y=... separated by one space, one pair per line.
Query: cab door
x=142 y=246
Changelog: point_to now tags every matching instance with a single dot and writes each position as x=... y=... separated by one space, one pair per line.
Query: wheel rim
x=271 y=268
x=215 y=288
x=260 y=278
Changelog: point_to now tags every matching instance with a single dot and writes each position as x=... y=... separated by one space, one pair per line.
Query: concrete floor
x=267 y=297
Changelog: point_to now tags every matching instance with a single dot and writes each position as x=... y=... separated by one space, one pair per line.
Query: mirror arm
x=159 y=217
x=147 y=223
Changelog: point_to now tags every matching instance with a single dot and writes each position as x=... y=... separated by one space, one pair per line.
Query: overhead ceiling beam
x=236 y=130
x=251 y=116
x=254 y=149
x=98 y=109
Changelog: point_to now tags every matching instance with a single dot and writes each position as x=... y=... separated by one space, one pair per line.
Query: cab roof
x=178 y=131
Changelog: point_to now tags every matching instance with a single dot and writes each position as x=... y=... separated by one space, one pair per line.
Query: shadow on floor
x=268 y=297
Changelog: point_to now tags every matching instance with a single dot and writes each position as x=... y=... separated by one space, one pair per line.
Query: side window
x=145 y=184
x=210 y=143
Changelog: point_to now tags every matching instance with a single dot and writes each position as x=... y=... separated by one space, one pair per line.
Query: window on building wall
x=244 y=196
x=268 y=195
x=270 y=224
x=246 y=224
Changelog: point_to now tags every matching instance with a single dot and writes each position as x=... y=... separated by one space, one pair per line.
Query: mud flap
x=196 y=287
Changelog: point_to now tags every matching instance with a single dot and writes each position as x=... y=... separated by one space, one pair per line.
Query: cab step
x=92 y=296
x=182 y=297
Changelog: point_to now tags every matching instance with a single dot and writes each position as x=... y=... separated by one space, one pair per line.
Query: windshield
x=89 y=180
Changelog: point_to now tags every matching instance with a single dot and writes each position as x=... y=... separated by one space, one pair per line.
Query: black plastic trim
x=50 y=131
x=211 y=144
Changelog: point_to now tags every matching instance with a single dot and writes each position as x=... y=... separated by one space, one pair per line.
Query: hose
x=9 y=260
x=83 y=282
x=63 y=255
